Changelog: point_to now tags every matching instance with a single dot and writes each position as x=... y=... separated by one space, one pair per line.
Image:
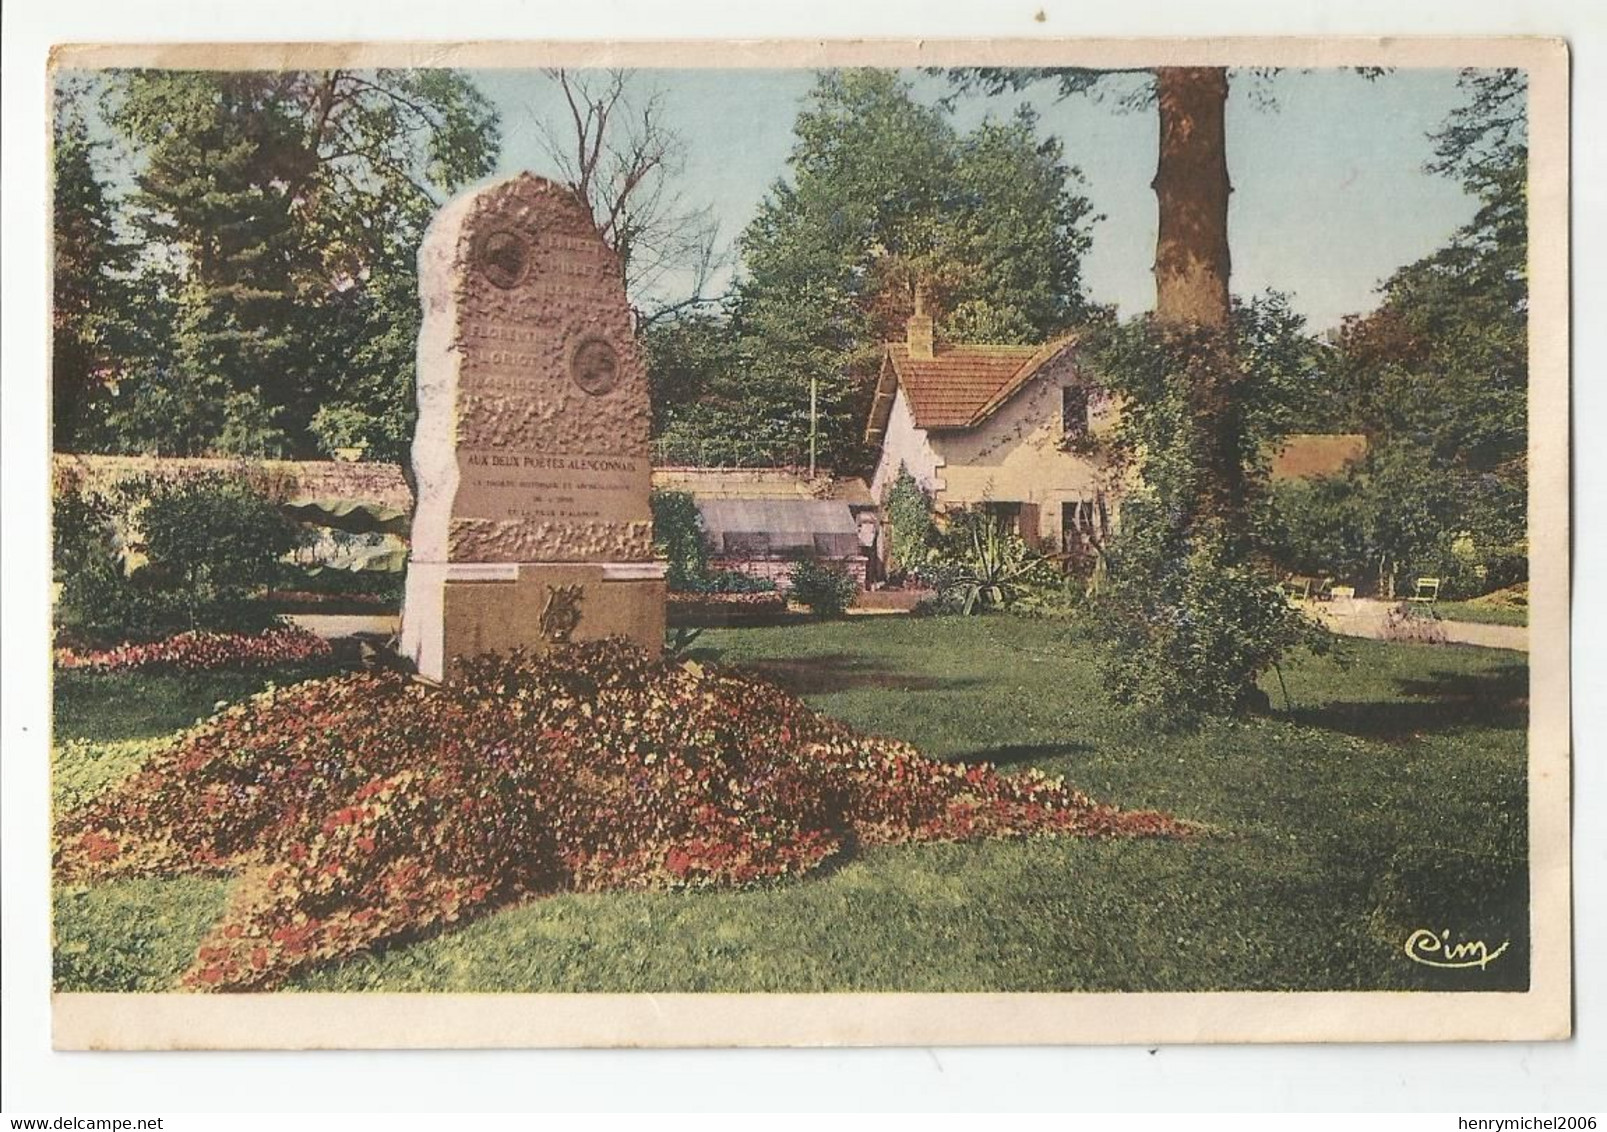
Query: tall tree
x=885 y=194
x=1192 y=261
x=617 y=150
x=272 y=201
x=1437 y=375
x=88 y=266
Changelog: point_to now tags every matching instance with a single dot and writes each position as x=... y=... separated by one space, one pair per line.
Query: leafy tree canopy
x=280 y=213
x=1437 y=376
x=89 y=298
x=885 y=195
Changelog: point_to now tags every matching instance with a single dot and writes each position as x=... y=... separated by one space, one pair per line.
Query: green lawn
x=1387 y=795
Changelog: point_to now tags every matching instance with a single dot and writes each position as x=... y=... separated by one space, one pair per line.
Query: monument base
x=468 y=608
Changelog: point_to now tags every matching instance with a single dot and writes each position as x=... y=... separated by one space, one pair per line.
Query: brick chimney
x=919 y=330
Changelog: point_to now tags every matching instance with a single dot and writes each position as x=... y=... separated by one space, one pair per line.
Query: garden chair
x=1427 y=592
x=1297 y=587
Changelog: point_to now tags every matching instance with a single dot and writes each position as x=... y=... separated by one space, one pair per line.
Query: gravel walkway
x=1366 y=617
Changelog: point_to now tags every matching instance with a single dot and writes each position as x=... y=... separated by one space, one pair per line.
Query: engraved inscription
x=595 y=366
x=504 y=257
x=514 y=349
x=547 y=487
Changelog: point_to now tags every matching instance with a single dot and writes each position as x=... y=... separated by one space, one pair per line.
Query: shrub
x=219 y=542
x=826 y=590
x=1191 y=615
x=979 y=565
x=99 y=601
x=678 y=536
x=82 y=533
x=729 y=582
x=211 y=546
x=686 y=610
x=910 y=530
x=1188 y=634
x=368 y=807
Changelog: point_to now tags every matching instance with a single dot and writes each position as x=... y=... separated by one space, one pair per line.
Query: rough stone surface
x=532 y=445
x=533 y=433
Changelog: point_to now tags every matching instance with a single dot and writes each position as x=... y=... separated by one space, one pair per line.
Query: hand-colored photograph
x=969 y=523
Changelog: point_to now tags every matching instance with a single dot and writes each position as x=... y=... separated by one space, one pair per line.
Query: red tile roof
x=946 y=390
x=959 y=386
x=1306 y=455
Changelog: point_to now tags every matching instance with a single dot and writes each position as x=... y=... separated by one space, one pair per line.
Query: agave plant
x=993 y=569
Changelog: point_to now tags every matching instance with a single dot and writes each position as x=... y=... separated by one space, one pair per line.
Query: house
x=1013 y=430
x=1007 y=428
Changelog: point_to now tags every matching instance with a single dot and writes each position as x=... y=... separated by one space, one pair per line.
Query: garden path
x=1368 y=617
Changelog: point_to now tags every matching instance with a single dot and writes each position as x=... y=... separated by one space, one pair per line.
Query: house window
x=1074 y=412
x=1007 y=515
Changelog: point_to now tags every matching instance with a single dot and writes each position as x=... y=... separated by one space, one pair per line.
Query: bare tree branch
x=619 y=155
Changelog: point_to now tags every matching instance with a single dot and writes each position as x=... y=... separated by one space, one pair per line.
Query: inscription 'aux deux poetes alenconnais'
x=549 y=463
x=546 y=487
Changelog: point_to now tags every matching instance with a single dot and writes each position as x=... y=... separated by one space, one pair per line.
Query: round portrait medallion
x=504 y=257
x=595 y=366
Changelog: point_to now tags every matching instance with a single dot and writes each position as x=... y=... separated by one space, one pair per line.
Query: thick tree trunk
x=1191 y=277
x=1191 y=187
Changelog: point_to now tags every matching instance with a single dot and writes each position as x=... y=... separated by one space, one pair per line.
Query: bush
x=678 y=536
x=1192 y=617
x=99 y=601
x=729 y=582
x=910 y=530
x=220 y=541
x=82 y=532
x=369 y=808
x=826 y=590
x=1189 y=634
x=211 y=547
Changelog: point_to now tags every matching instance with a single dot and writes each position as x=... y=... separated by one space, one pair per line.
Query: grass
x=1483 y=613
x=1387 y=795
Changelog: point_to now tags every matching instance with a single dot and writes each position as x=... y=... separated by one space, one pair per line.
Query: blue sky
x=1330 y=193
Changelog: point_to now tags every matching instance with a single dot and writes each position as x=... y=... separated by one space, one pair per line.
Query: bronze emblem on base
x=561 y=613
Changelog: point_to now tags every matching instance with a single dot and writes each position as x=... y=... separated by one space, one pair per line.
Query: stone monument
x=531 y=523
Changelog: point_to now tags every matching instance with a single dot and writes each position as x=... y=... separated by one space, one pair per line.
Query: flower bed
x=369 y=808
x=200 y=650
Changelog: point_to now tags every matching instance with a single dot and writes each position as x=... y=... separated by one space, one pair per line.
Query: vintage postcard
x=766 y=543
